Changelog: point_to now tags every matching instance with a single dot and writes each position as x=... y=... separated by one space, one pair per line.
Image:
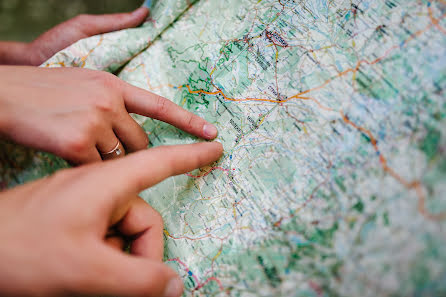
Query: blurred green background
x=24 y=20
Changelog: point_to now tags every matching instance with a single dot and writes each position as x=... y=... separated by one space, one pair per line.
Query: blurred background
x=24 y=20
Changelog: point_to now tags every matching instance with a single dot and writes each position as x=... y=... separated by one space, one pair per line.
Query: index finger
x=152 y=105
x=129 y=176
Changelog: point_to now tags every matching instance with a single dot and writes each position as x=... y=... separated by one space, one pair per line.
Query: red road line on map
x=212 y=278
x=190 y=273
x=306 y=202
x=207 y=173
x=316 y=288
x=185 y=268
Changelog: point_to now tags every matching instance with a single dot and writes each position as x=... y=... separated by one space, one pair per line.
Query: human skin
x=54 y=231
x=78 y=113
x=65 y=34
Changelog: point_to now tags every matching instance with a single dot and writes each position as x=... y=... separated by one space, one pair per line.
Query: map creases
x=333 y=119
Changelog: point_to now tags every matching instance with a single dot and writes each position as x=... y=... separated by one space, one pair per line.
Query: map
x=332 y=114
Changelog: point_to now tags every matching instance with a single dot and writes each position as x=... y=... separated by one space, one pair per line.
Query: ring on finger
x=117 y=152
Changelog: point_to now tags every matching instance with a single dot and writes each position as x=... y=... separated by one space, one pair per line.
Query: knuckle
x=94 y=120
x=162 y=106
x=77 y=144
x=106 y=80
x=106 y=98
x=103 y=105
x=191 y=122
x=109 y=81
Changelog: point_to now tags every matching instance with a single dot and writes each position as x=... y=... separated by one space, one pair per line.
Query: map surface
x=333 y=119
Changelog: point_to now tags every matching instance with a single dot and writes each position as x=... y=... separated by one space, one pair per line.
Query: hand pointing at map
x=80 y=115
x=54 y=234
x=83 y=115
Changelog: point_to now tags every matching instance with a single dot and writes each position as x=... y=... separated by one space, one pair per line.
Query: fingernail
x=174 y=288
x=210 y=131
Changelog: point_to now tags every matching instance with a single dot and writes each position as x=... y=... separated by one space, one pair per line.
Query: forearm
x=14 y=53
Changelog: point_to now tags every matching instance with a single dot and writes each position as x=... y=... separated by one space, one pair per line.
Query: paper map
x=333 y=119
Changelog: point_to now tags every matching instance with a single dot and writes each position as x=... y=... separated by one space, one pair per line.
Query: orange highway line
x=408 y=185
x=84 y=58
x=384 y=164
x=228 y=98
x=253 y=99
x=358 y=65
x=327 y=82
x=62 y=64
x=435 y=21
x=299 y=95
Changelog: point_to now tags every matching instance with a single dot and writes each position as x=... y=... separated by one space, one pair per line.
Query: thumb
x=120 y=274
x=98 y=24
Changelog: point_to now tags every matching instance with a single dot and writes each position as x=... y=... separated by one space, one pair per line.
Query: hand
x=78 y=114
x=54 y=231
x=67 y=33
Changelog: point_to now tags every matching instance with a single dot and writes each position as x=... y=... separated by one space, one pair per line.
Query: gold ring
x=116 y=152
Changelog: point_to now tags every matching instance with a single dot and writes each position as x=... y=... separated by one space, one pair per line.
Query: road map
x=333 y=119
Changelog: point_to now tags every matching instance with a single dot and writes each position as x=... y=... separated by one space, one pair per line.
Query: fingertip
x=210 y=131
x=218 y=148
x=168 y=283
x=137 y=276
x=215 y=150
x=174 y=288
x=140 y=13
